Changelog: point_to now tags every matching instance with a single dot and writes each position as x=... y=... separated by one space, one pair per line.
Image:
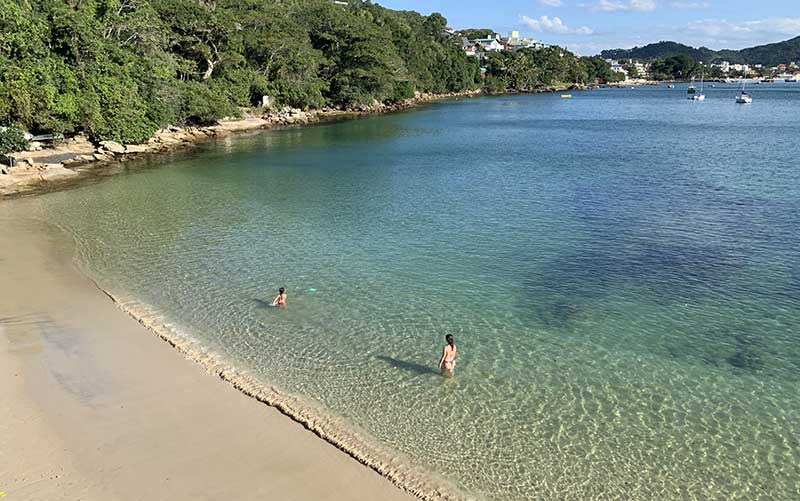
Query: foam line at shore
x=346 y=438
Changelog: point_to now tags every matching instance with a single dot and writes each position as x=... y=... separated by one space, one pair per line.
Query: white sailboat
x=744 y=97
x=700 y=96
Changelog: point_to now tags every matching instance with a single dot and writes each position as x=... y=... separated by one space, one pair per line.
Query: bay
x=620 y=270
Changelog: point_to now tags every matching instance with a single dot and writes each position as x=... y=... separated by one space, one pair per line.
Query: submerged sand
x=94 y=407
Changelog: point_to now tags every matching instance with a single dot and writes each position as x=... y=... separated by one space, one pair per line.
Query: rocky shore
x=43 y=167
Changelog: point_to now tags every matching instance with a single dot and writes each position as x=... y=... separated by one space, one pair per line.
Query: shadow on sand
x=408 y=366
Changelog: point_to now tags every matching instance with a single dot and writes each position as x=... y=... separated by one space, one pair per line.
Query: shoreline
x=40 y=170
x=95 y=409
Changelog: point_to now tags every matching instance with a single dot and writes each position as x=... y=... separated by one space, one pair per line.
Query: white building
x=515 y=42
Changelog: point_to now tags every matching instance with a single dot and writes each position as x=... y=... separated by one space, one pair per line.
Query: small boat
x=698 y=97
x=744 y=97
x=566 y=96
x=767 y=80
x=671 y=86
x=791 y=80
x=692 y=89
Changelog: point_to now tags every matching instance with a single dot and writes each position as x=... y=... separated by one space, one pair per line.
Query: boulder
x=112 y=146
x=34 y=146
x=136 y=148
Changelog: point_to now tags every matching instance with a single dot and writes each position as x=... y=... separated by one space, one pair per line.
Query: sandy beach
x=95 y=407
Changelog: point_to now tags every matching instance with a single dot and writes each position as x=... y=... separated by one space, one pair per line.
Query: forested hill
x=768 y=55
x=120 y=69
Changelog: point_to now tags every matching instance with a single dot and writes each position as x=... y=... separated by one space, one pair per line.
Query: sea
x=620 y=272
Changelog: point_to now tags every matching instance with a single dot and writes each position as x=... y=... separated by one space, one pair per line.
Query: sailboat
x=701 y=96
x=744 y=97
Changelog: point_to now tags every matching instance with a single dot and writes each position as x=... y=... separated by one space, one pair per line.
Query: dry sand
x=94 y=407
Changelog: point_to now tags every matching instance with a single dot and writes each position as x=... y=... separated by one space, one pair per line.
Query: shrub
x=403 y=90
x=12 y=139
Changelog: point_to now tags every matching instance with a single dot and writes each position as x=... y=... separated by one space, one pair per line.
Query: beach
x=95 y=407
x=626 y=325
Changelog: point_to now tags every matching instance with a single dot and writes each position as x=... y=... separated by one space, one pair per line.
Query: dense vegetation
x=530 y=69
x=768 y=55
x=121 y=69
x=678 y=67
x=11 y=139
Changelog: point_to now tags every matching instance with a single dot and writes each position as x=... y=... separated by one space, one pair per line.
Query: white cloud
x=546 y=24
x=690 y=5
x=620 y=5
x=760 y=31
x=550 y=3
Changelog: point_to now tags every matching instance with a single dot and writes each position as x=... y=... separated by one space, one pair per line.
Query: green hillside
x=122 y=69
x=774 y=53
x=768 y=55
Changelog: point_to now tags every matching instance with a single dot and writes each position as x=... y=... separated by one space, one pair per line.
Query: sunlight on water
x=621 y=272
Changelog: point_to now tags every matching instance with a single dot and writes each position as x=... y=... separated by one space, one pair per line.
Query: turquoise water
x=621 y=272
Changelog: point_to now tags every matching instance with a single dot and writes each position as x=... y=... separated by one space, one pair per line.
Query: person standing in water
x=448 y=361
x=280 y=299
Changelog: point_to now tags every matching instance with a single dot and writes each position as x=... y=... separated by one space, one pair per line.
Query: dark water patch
x=747 y=355
x=745 y=347
x=262 y=304
x=560 y=315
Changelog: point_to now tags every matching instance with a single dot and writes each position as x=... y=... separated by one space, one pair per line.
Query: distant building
x=494 y=43
x=515 y=42
x=642 y=69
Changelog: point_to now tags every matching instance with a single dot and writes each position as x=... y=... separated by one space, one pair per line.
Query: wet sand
x=95 y=407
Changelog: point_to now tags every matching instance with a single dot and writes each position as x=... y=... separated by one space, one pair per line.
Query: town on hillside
x=637 y=70
x=478 y=43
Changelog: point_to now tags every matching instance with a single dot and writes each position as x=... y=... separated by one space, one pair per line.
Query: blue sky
x=588 y=26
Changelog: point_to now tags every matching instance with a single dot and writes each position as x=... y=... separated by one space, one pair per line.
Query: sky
x=589 y=26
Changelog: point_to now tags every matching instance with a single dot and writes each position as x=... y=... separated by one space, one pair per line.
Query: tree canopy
x=121 y=69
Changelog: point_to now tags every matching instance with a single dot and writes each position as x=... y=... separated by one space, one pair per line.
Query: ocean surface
x=621 y=272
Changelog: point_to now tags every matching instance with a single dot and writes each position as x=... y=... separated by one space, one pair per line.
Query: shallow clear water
x=621 y=272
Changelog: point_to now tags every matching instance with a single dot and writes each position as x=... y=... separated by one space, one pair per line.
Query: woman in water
x=280 y=299
x=448 y=361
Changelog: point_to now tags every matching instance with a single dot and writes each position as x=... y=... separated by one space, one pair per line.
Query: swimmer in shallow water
x=448 y=361
x=280 y=299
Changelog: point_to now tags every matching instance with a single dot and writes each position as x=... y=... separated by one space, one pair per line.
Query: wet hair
x=281 y=290
x=449 y=339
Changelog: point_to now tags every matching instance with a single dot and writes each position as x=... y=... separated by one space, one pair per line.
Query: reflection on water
x=623 y=288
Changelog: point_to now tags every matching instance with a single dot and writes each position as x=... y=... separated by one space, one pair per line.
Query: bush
x=12 y=139
x=403 y=90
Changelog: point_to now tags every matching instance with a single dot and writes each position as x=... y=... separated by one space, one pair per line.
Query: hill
x=774 y=53
x=768 y=55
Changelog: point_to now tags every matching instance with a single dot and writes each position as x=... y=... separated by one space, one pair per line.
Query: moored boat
x=744 y=97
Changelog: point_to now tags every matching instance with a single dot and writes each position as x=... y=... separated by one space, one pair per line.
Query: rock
x=34 y=146
x=99 y=156
x=28 y=161
x=112 y=146
x=136 y=148
x=56 y=171
x=86 y=158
